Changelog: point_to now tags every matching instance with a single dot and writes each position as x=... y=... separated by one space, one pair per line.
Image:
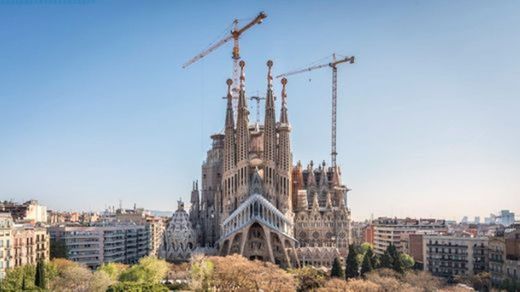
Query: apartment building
x=451 y=255
x=95 y=245
x=504 y=256
x=395 y=231
x=30 y=211
x=21 y=244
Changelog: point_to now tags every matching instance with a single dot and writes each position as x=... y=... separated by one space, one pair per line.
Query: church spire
x=270 y=120
x=283 y=114
x=229 y=132
x=242 y=119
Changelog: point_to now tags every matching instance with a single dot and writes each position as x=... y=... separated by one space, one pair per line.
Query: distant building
x=506 y=218
x=504 y=256
x=94 y=245
x=368 y=234
x=21 y=244
x=358 y=232
x=393 y=231
x=497 y=258
x=29 y=211
x=452 y=255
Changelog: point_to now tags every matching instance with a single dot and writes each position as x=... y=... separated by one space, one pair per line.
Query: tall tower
x=228 y=178
x=284 y=162
x=195 y=204
x=270 y=176
x=242 y=142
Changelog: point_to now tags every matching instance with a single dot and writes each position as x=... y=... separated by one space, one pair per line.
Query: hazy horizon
x=95 y=107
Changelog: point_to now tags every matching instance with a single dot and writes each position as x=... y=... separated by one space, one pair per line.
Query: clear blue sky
x=94 y=105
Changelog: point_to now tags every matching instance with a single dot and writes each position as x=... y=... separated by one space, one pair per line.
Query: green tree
x=113 y=270
x=137 y=287
x=40 y=279
x=352 y=268
x=366 y=266
x=337 y=270
x=149 y=270
x=407 y=260
x=18 y=279
x=397 y=263
x=373 y=259
x=386 y=260
x=58 y=249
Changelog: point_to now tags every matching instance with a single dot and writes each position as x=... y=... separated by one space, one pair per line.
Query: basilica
x=255 y=202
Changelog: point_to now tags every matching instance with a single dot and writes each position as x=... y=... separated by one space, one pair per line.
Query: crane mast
x=235 y=34
x=333 y=65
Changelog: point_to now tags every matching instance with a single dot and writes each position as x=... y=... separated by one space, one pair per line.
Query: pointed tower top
x=242 y=75
x=269 y=75
x=283 y=116
x=229 y=82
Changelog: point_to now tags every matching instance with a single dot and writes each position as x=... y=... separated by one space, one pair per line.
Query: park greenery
x=365 y=271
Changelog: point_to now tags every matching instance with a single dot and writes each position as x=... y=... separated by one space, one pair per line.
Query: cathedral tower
x=242 y=140
x=284 y=159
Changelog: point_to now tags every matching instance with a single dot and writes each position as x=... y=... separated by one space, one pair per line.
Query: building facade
x=395 y=231
x=452 y=255
x=21 y=244
x=95 y=245
x=30 y=211
x=254 y=202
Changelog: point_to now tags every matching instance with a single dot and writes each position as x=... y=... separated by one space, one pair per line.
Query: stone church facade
x=253 y=201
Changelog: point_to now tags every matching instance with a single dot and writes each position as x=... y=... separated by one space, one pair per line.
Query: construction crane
x=333 y=64
x=257 y=98
x=235 y=34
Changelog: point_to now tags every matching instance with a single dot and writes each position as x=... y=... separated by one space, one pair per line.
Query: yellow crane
x=234 y=35
x=333 y=65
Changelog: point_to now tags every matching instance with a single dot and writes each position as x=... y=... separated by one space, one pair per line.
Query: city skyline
x=100 y=110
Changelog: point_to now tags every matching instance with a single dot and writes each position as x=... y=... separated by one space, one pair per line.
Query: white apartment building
x=396 y=231
x=95 y=245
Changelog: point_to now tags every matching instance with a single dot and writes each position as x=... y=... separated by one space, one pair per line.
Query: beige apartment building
x=452 y=255
x=21 y=244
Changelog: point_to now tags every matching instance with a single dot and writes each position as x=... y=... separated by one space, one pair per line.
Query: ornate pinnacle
x=269 y=76
x=229 y=82
x=242 y=74
x=284 y=94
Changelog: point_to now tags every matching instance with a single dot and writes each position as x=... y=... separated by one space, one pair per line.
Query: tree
x=137 y=287
x=366 y=266
x=71 y=277
x=58 y=249
x=238 y=273
x=386 y=261
x=148 y=270
x=113 y=270
x=100 y=281
x=407 y=261
x=337 y=270
x=352 y=268
x=18 y=279
x=308 y=278
x=373 y=258
x=40 y=279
